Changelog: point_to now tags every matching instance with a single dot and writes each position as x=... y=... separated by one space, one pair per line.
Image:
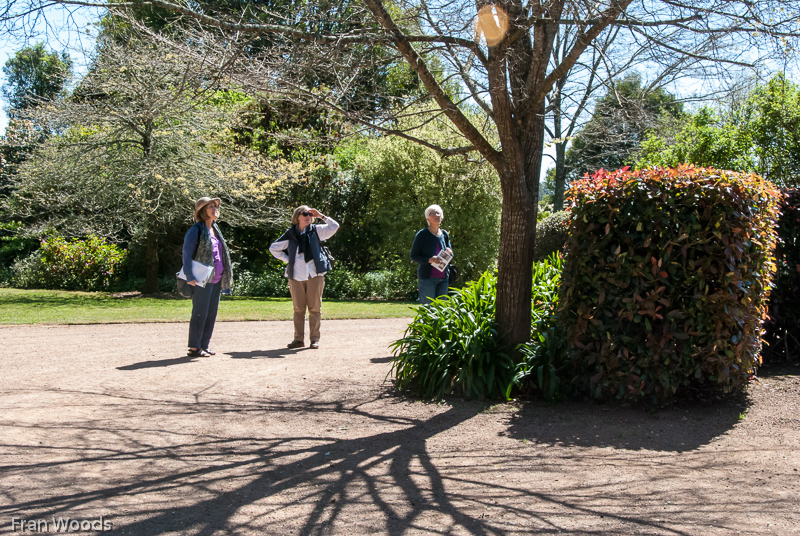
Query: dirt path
x=112 y=421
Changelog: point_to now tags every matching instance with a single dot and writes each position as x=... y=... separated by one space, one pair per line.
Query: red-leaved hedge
x=666 y=281
x=782 y=333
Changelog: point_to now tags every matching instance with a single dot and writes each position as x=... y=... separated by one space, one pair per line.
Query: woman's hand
x=193 y=282
x=449 y=251
x=432 y=260
x=316 y=213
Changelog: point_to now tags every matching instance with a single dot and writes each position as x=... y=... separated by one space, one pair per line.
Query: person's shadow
x=158 y=363
x=280 y=353
x=255 y=354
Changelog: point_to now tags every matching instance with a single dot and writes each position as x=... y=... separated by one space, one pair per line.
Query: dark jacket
x=321 y=263
x=205 y=253
x=424 y=247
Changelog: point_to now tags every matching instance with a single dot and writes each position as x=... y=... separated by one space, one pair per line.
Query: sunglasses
x=305 y=213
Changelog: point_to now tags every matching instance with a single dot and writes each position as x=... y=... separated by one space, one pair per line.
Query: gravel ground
x=110 y=426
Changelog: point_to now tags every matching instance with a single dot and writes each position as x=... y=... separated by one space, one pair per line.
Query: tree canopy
x=760 y=133
x=144 y=135
x=35 y=75
x=619 y=124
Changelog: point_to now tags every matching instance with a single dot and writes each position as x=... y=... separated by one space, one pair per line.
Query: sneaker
x=295 y=344
x=315 y=345
x=196 y=352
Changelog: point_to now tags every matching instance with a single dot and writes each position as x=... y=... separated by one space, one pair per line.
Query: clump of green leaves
x=541 y=367
x=452 y=345
x=339 y=284
x=89 y=264
x=667 y=280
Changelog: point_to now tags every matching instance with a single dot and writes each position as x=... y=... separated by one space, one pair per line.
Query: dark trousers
x=205 y=303
x=431 y=288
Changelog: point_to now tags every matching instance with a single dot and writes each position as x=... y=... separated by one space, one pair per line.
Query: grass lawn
x=62 y=307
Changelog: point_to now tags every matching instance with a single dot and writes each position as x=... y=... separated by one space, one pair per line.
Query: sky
x=60 y=33
x=74 y=33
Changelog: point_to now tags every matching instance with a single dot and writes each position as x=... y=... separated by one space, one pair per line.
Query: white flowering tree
x=144 y=135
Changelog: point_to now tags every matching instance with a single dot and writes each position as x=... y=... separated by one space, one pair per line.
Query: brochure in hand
x=441 y=261
x=202 y=272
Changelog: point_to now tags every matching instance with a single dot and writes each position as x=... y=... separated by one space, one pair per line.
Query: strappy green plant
x=452 y=345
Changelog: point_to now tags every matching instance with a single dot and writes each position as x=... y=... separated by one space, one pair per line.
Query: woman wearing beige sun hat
x=204 y=243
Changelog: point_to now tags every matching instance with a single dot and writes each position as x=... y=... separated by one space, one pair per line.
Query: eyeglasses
x=305 y=213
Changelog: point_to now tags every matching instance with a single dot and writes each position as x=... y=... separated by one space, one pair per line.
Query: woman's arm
x=449 y=244
x=417 y=254
x=189 y=243
x=328 y=229
x=280 y=250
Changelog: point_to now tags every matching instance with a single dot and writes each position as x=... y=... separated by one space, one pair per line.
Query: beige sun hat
x=201 y=204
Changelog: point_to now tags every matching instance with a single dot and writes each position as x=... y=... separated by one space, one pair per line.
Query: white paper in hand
x=441 y=261
x=202 y=272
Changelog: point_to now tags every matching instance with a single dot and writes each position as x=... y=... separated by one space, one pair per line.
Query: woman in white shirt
x=300 y=248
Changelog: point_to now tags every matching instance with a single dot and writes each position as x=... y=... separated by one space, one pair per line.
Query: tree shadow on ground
x=779 y=368
x=215 y=479
x=680 y=428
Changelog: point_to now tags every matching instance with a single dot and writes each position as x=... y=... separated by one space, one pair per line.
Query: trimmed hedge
x=667 y=280
x=551 y=235
x=784 y=306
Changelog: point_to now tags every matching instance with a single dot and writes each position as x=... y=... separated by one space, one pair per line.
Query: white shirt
x=303 y=271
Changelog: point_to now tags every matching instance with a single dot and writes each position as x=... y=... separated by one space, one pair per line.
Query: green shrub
x=543 y=368
x=339 y=284
x=403 y=178
x=784 y=305
x=666 y=280
x=88 y=264
x=12 y=248
x=540 y=356
x=452 y=346
x=551 y=235
x=270 y=283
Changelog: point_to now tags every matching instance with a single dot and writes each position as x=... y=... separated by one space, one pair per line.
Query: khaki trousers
x=307 y=295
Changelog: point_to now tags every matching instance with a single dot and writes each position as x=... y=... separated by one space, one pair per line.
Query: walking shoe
x=315 y=345
x=196 y=352
x=209 y=352
x=295 y=344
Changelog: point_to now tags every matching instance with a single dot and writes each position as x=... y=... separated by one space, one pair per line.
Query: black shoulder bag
x=454 y=274
x=185 y=289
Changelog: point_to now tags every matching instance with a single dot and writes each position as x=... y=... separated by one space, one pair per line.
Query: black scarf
x=304 y=247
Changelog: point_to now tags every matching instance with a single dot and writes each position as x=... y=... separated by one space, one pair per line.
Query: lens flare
x=491 y=24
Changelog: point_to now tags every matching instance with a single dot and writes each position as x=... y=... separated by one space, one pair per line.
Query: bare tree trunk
x=520 y=185
x=151 y=261
x=561 y=176
x=514 y=261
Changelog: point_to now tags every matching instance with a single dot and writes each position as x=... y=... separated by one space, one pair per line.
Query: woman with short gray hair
x=428 y=244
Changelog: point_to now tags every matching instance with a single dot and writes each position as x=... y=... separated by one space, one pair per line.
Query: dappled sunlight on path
x=260 y=439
